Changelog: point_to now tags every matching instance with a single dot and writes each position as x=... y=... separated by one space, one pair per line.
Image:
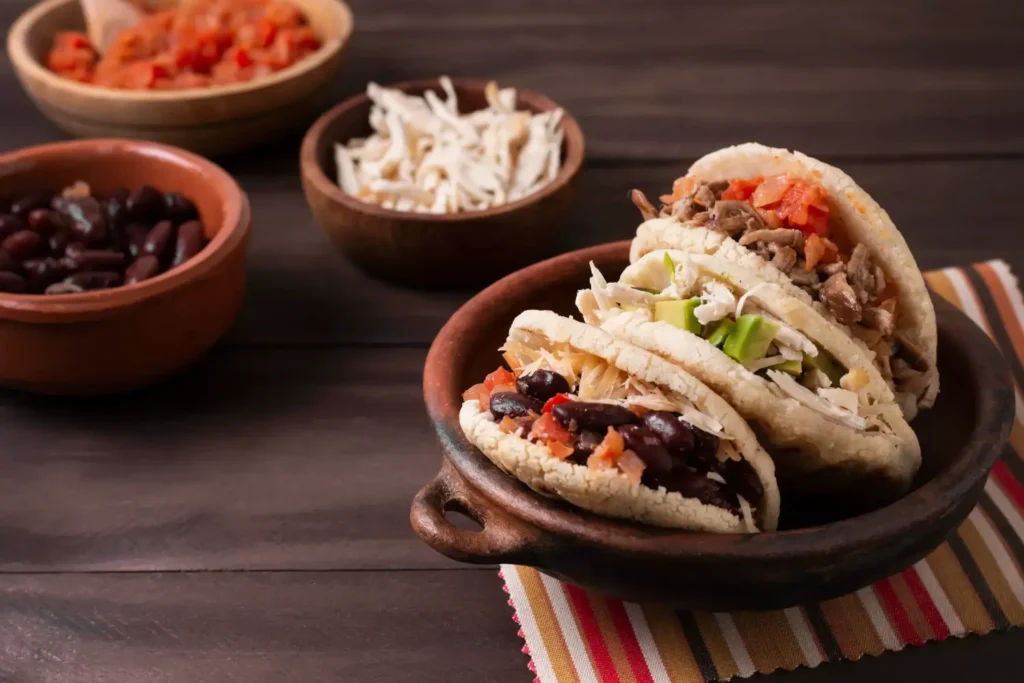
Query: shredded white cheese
x=718 y=303
x=817 y=402
x=743 y=299
x=425 y=156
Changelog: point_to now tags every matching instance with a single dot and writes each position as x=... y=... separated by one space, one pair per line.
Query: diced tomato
x=188 y=39
x=508 y=425
x=608 y=452
x=266 y=31
x=741 y=189
x=819 y=250
x=560 y=450
x=770 y=191
x=145 y=74
x=555 y=400
x=240 y=57
x=680 y=188
x=546 y=428
x=501 y=376
x=805 y=206
x=477 y=392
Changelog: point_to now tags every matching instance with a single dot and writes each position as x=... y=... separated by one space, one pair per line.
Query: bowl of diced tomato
x=214 y=77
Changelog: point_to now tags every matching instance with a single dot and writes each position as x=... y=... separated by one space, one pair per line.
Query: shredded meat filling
x=842 y=300
x=784 y=258
x=789 y=237
x=848 y=287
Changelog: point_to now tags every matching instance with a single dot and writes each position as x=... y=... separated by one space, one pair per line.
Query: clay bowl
x=814 y=559
x=119 y=339
x=209 y=121
x=435 y=250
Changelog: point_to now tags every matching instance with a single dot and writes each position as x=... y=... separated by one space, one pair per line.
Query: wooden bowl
x=119 y=339
x=208 y=121
x=961 y=439
x=426 y=249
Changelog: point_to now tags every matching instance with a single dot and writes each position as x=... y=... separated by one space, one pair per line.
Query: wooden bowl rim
x=65 y=307
x=574 y=145
x=22 y=59
x=935 y=499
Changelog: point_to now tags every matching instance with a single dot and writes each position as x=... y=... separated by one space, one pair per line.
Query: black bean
x=115 y=206
x=705 y=450
x=12 y=283
x=190 y=243
x=135 y=235
x=95 y=279
x=673 y=432
x=541 y=384
x=157 y=239
x=7 y=262
x=144 y=268
x=596 y=416
x=10 y=224
x=513 y=404
x=46 y=222
x=585 y=442
x=646 y=444
x=178 y=208
x=43 y=272
x=57 y=242
x=740 y=476
x=29 y=202
x=88 y=220
x=21 y=244
x=145 y=204
x=695 y=485
x=96 y=259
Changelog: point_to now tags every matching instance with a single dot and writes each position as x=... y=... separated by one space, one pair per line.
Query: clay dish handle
x=503 y=538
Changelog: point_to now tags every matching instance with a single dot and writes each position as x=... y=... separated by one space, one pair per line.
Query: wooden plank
x=254 y=459
x=665 y=79
x=303 y=292
x=380 y=626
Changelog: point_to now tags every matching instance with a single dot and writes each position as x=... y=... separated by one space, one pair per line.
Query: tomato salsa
x=216 y=42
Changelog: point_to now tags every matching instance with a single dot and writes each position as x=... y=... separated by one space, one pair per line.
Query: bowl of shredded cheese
x=442 y=182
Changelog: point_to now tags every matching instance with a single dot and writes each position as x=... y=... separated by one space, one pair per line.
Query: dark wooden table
x=248 y=521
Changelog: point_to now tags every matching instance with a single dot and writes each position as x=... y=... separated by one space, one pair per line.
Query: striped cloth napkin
x=973 y=583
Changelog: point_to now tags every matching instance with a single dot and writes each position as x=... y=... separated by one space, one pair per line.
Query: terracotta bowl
x=811 y=559
x=435 y=250
x=119 y=339
x=208 y=121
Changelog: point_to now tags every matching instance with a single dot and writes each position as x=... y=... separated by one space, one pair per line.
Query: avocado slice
x=717 y=334
x=750 y=339
x=679 y=313
x=647 y=289
x=827 y=364
x=793 y=367
x=670 y=267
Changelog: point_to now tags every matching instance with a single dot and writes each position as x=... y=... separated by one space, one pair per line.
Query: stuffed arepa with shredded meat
x=616 y=430
x=809 y=228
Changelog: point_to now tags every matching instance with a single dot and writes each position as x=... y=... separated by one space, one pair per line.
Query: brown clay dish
x=119 y=339
x=210 y=121
x=426 y=249
x=814 y=560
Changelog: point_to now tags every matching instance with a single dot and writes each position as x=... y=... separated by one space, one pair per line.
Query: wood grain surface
x=248 y=520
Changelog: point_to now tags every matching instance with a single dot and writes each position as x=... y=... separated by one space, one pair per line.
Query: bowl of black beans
x=72 y=242
x=120 y=262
